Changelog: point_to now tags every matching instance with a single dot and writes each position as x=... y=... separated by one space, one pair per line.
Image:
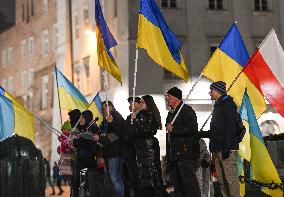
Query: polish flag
x=265 y=69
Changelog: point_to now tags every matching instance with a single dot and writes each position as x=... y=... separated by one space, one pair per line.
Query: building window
x=115 y=8
x=23 y=12
x=45 y=46
x=4 y=57
x=169 y=3
x=31 y=45
x=260 y=5
x=86 y=64
x=76 y=26
x=24 y=48
x=29 y=99
x=10 y=55
x=86 y=16
x=24 y=79
x=31 y=76
x=32 y=8
x=4 y=83
x=44 y=7
x=55 y=3
x=10 y=87
x=28 y=12
x=215 y=4
x=44 y=91
x=55 y=36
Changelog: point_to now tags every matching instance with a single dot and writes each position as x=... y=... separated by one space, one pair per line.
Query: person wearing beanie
x=182 y=148
x=74 y=116
x=224 y=139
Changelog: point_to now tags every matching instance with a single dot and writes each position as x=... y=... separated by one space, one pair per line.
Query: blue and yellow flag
x=262 y=167
x=158 y=40
x=105 y=42
x=14 y=118
x=69 y=96
x=96 y=108
x=227 y=62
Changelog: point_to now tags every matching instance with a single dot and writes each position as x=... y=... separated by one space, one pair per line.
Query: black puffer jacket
x=147 y=150
x=181 y=142
x=223 y=134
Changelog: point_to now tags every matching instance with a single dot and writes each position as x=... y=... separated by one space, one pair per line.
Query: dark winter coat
x=223 y=134
x=181 y=142
x=112 y=136
x=147 y=150
x=128 y=144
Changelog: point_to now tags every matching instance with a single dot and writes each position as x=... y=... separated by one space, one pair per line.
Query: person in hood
x=224 y=139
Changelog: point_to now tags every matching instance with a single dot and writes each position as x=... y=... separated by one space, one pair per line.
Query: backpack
x=241 y=129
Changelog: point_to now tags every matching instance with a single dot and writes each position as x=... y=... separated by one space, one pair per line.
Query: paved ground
x=66 y=193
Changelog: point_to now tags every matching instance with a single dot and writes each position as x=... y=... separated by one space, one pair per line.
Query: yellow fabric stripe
x=69 y=102
x=105 y=61
x=24 y=120
x=221 y=67
x=151 y=39
x=244 y=146
x=93 y=108
x=263 y=169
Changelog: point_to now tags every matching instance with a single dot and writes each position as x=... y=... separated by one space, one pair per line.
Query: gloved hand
x=225 y=154
x=204 y=163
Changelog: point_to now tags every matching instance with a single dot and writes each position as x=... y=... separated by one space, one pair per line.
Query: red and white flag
x=265 y=69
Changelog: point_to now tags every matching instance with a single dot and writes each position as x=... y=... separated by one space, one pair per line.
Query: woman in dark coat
x=147 y=121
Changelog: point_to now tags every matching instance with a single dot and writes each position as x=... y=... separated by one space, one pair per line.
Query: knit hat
x=219 y=86
x=88 y=116
x=174 y=91
x=137 y=99
x=74 y=116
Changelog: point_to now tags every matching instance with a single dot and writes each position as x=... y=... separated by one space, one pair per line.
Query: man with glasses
x=182 y=146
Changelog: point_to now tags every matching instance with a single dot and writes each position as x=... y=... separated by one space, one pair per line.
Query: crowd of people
x=123 y=156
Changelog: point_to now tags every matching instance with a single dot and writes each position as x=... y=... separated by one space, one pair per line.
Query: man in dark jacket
x=111 y=141
x=182 y=147
x=128 y=149
x=224 y=139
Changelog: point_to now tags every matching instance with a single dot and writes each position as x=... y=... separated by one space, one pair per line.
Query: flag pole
x=134 y=80
x=233 y=82
x=105 y=86
x=55 y=68
x=191 y=90
x=52 y=129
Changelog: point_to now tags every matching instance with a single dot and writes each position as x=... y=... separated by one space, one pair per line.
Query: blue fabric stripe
x=98 y=102
x=1 y=91
x=234 y=47
x=101 y=24
x=69 y=87
x=247 y=112
x=150 y=10
x=7 y=117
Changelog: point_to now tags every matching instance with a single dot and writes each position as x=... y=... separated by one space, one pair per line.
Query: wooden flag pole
x=55 y=69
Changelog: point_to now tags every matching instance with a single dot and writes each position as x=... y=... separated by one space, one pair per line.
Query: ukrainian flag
x=105 y=42
x=262 y=167
x=69 y=96
x=240 y=167
x=158 y=40
x=96 y=108
x=227 y=62
x=14 y=118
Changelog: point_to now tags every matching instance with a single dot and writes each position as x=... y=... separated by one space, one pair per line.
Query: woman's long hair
x=151 y=105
